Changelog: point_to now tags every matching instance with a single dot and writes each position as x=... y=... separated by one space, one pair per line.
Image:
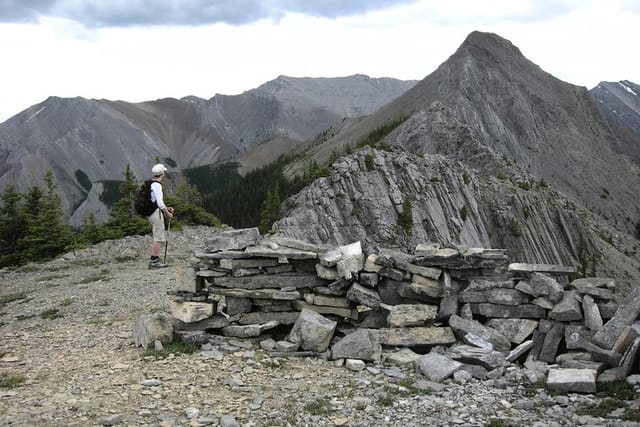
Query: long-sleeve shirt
x=156 y=194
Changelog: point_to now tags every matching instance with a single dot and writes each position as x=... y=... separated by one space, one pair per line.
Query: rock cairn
x=449 y=311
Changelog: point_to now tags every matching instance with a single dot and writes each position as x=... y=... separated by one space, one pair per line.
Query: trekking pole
x=166 y=242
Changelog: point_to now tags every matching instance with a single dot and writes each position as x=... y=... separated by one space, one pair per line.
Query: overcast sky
x=140 y=50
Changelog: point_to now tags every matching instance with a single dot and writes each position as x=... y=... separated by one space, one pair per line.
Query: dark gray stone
x=551 y=342
x=362 y=344
x=436 y=367
x=364 y=296
x=546 y=286
x=525 y=311
x=568 y=309
x=270 y=281
x=625 y=315
x=517 y=330
x=237 y=305
x=489 y=359
x=463 y=326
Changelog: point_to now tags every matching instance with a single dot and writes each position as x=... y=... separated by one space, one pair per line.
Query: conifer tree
x=123 y=218
x=405 y=219
x=270 y=212
x=46 y=233
x=12 y=225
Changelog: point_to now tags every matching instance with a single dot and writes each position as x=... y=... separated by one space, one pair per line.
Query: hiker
x=157 y=218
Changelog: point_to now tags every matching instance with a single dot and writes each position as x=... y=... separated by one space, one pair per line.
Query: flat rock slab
x=265 y=281
x=275 y=294
x=410 y=314
x=541 y=268
x=464 y=326
x=517 y=330
x=233 y=239
x=190 y=312
x=419 y=336
x=565 y=380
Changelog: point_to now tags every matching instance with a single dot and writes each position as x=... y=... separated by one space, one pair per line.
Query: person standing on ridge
x=157 y=218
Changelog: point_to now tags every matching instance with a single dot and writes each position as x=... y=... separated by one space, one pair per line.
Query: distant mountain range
x=86 y=142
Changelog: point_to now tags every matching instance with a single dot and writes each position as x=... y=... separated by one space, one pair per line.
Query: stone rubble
x=321 y=299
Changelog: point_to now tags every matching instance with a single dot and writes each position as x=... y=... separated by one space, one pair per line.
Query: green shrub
x=174 y=347
x=464 y=212
x=5 y=299
x=318 y=406
x=52 y=313
x=368 y=161
x=11 y=380
x=405 y=218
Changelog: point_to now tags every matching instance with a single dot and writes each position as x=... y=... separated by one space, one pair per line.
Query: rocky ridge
x=451 y=203
x=82 y=367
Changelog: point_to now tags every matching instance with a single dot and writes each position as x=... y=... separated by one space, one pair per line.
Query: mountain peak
x=488 y=42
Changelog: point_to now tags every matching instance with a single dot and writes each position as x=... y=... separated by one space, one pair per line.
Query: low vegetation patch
x=6 y=299
x=95 y=277
x=318 y=406
x=603 y=409
x=49 y=277
x=11 y=379
x=174 y=347
x=616 y=389
x=385 y=400
x=52 y=313
x=87 y=262
x=408 y=384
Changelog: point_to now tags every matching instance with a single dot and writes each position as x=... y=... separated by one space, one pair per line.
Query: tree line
x=32 y=226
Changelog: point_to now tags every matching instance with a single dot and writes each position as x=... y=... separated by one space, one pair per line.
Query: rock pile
x=461 y=312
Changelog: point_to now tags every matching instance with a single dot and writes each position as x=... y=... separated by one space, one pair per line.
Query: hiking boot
x=156 y=263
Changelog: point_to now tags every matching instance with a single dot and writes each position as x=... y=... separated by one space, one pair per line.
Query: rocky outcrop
x=365 y=197
x=488 y=99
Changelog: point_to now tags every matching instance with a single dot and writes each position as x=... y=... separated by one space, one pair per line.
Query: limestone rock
x=312 y=331
x=625 y=315
x=564 y=380
x=233 y=240
x=568 y=309
x=151 y=327
x=410 y=314
x=463 y=326
x=364 y=296
x=436 y=367
x=546 y=286
x=362 y=344
x=517 y=330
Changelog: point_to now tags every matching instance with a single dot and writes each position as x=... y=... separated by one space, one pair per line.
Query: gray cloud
x=125 y=13
x=24 y=10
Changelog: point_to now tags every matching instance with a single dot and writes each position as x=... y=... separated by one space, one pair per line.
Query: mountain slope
x=620 y=104
x=487 y=96
x=620 y=101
